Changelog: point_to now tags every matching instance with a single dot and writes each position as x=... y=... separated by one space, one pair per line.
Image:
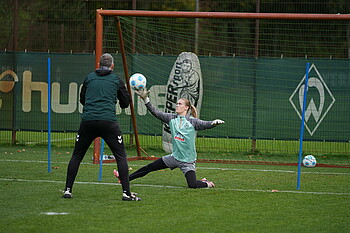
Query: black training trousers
x=110 y=132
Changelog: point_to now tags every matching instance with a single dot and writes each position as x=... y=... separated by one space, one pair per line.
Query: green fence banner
x=258 y=98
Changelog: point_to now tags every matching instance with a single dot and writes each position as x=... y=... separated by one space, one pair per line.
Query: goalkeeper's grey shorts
x=173 y=163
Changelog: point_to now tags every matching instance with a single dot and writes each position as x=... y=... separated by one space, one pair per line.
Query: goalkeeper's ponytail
x=190 y=107
x=193 y=111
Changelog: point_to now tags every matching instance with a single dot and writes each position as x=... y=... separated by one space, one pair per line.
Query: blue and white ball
x=309 y=161
x=137 y=81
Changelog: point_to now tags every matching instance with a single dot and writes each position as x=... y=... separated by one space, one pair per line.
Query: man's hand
x=217 y=122
x=143 y=93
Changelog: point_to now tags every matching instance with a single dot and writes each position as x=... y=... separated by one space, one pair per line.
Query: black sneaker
x=209 y=183
x=132 y=197
x=67 y=194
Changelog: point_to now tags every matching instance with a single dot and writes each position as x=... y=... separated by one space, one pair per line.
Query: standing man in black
x=99 y=94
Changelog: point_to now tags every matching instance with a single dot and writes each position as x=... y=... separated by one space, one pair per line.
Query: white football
x=309 y=161
x=138 y=81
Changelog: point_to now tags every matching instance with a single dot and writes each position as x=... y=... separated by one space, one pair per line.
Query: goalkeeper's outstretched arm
x=165 y=117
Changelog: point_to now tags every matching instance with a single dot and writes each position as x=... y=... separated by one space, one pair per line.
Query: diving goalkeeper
x=183 y=131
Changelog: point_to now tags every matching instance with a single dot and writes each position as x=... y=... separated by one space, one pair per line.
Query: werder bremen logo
x=319 y=100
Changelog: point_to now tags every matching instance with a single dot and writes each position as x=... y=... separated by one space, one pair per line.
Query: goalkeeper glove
x=217 y=122
x=143 y=93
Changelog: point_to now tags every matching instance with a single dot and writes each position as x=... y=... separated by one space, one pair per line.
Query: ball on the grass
x=138 y=81
x=309 y=161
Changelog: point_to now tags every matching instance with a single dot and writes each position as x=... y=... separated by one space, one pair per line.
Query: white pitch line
x=286 y=171
x=55 y=213
x=178 y=187
x=55 y=140
x=205 y=168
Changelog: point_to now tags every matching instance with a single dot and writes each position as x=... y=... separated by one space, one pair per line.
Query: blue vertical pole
x=48 y=114
x=302 y=124
x=101 y=160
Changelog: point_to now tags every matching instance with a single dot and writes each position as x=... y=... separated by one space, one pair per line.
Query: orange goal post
x=254 y=52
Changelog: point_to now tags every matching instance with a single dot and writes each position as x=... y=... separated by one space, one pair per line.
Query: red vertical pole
x=98 y=54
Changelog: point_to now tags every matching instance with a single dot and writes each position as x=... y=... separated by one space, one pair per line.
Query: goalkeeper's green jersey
x=183 y=133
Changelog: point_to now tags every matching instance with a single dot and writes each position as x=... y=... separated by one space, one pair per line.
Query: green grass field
x=269 y=151
x=242 y=200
